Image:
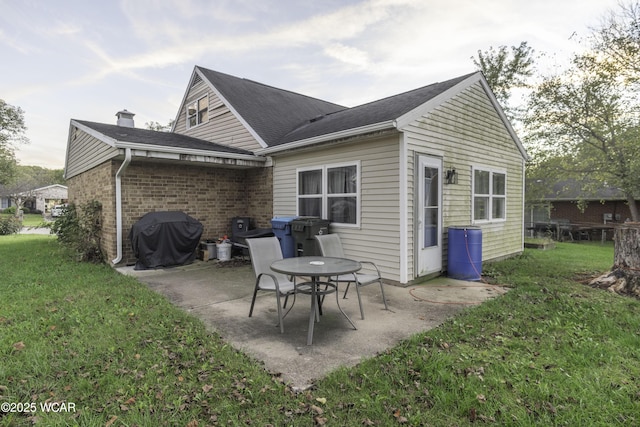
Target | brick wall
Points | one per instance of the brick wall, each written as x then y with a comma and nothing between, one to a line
594,211
213,196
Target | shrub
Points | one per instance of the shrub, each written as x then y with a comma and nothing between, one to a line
25,210
11,210
9,224
79,229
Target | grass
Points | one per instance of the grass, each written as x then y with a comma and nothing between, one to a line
31,220
550,352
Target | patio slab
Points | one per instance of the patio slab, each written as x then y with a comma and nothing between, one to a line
220,297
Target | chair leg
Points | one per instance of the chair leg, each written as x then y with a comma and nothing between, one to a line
346,290
253,301
359,300
280,322
384,300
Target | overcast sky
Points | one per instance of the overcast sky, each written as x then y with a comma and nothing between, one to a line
88,59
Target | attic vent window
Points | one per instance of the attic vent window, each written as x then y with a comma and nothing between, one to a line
198,112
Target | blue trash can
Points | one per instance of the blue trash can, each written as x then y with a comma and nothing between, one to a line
282,229
464,256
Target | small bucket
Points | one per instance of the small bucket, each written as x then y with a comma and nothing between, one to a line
224,251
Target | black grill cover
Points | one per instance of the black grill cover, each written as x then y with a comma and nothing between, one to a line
163,239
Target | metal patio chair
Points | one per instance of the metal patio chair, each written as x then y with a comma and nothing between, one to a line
264,251
331,246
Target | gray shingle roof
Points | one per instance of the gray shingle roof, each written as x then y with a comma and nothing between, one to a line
383,110
270,111
161,139
280,116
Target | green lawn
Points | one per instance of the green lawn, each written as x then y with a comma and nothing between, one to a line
31,220
550,352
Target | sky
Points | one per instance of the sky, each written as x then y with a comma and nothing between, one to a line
88,59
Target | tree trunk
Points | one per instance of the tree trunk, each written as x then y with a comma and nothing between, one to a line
624,277
633,208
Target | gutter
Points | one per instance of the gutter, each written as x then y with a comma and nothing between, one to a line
328,137
123,166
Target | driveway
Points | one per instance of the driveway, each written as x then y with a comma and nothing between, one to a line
220,297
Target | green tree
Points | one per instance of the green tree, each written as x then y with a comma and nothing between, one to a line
12,129
506,69
586,118
618,39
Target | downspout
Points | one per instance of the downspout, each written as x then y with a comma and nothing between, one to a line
123,166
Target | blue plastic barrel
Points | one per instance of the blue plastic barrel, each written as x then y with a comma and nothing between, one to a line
464,257
282,229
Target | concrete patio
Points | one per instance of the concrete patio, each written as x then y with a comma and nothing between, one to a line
220,296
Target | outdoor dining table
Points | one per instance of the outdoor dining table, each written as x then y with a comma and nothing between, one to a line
316,267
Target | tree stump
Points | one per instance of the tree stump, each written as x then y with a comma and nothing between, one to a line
624,277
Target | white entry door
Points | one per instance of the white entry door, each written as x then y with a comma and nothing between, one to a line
429,230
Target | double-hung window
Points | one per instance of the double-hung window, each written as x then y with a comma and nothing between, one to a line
489,195
330,192
198,112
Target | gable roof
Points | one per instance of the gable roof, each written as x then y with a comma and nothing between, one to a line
573,190
385,110
270,112
123,136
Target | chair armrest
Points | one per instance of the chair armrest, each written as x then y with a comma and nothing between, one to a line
275,280
372,265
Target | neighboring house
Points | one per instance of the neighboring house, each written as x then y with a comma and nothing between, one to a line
392,175
41,199
565,200
45,198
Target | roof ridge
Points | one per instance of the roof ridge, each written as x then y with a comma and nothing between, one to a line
271,86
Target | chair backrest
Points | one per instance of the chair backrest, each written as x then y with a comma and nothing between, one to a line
264,251
330,245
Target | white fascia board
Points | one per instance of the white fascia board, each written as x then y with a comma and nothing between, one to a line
328,137
421,110
171,152
184,98
233,111
428,106
102,137
504,118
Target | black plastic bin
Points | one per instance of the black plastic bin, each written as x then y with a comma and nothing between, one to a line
304,230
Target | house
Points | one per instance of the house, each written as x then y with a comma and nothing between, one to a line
391,175
566,200
43,199
40,199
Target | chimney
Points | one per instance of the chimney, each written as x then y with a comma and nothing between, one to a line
125,118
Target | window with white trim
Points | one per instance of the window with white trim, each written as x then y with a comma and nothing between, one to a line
489,195
331,192
198,112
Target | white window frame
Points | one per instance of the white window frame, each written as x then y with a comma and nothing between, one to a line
197,112
490,195
324,196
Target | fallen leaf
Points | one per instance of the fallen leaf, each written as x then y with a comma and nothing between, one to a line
320,421
19,346
318,410
207,388
367,422
131,401
193,423
481,398
322,400
111,421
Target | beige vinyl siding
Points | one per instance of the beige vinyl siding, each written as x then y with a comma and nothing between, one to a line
466,131
86,152
377,238
222,128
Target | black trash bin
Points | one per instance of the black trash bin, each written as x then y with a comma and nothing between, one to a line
304,230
